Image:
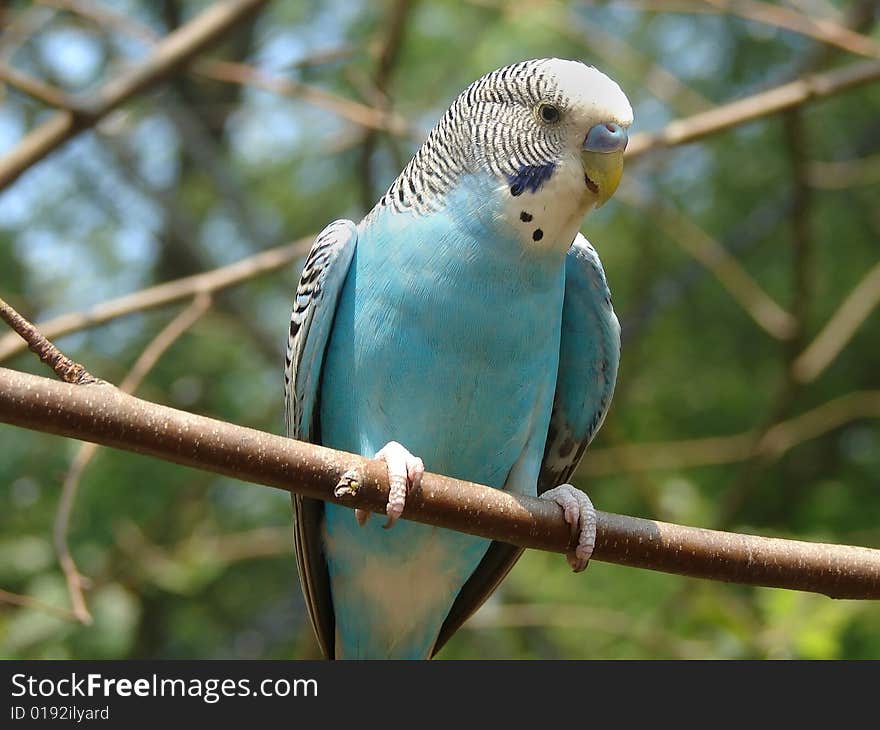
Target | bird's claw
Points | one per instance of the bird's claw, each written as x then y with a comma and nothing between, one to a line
404,473
581,516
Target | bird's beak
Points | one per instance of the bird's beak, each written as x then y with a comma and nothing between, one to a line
602,158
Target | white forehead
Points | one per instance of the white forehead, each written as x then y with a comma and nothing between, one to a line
586,89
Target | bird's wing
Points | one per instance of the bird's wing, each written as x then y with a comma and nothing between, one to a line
588,359
317,295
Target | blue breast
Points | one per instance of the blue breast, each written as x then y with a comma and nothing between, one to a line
446,339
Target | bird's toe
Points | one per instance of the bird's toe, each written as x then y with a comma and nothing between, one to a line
581,516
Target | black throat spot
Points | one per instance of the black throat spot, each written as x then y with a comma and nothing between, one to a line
530,177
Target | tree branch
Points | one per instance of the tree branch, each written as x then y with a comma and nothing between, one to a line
65,368
175,51
34,88
147,360
105,415
713,450
682,131
355,112
840,329
757,106
710,253
820,29
157,296
18,599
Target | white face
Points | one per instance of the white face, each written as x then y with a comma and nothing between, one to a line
548,210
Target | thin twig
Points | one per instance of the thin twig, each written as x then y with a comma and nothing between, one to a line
840,329
764,104
21,28
759,305
659,80
394,31
597,619
147,360
842,174
241,73
18,599
65,368
167,293
219,549
76,582
106,18
819,29
714,450
162,341
353,111
782,403
35,88
173,52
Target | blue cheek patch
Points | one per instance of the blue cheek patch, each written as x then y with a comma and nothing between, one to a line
530,177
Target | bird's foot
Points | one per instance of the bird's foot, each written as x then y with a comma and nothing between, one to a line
581,516
404,472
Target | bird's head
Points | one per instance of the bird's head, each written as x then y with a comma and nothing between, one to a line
549,133
533,120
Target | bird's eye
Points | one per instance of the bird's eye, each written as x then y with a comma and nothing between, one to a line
548,113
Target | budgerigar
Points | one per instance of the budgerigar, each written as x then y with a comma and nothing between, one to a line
464,320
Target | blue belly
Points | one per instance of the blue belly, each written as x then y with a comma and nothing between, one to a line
446,339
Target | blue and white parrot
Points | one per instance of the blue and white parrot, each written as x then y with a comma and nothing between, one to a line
464,319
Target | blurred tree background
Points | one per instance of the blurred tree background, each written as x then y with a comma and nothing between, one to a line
736,407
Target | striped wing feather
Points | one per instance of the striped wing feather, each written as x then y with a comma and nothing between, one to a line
311,321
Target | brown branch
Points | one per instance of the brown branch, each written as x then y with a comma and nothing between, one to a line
840,329
394,31
175,51
167,293
244,74
783,400
612,49
19,29
76,582
841,174
820,29
602,621
705,249
689,129
17,599
106,18
218,549
147,360
764,104
103,414
714,450
65,368
360,114
169,334
34,88
661,82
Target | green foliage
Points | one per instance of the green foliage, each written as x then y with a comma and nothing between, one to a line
181,563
